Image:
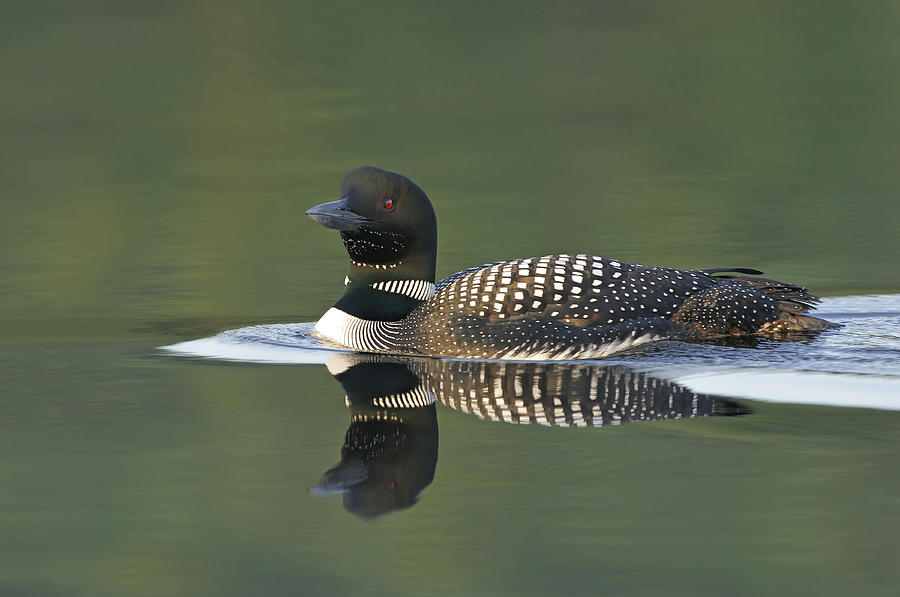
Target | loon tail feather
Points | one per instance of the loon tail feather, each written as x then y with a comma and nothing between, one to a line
793,303
790,322
791,298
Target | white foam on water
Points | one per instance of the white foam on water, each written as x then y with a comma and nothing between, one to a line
795,387
286,344
216,348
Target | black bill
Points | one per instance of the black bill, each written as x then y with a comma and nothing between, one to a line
338,216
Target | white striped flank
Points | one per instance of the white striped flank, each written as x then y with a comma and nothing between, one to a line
420,290
561,352
359,334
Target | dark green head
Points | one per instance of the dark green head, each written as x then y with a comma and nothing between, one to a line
387,225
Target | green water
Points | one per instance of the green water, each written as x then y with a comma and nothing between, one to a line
156,159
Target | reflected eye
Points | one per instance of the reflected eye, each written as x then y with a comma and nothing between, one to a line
389,204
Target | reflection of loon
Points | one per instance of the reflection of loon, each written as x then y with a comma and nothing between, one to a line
557,307
390,450
389,453
566,395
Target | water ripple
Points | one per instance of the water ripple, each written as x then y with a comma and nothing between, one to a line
855,365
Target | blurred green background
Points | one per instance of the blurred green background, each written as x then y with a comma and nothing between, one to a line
156,158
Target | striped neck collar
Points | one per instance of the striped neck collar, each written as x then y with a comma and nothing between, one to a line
420,290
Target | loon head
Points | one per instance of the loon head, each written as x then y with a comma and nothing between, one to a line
390,233
387,224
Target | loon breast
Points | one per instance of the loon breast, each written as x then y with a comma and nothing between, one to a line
374,335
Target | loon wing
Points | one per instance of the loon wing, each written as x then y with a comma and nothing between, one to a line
576,290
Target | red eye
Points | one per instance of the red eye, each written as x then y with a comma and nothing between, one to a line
389,204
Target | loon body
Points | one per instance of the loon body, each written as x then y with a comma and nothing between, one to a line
542,308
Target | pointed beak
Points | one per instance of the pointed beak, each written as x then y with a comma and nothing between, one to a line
338,216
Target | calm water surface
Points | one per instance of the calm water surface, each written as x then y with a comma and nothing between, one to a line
155,163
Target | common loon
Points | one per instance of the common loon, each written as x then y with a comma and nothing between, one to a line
556,307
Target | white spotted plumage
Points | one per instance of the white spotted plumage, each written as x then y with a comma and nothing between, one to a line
501,311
